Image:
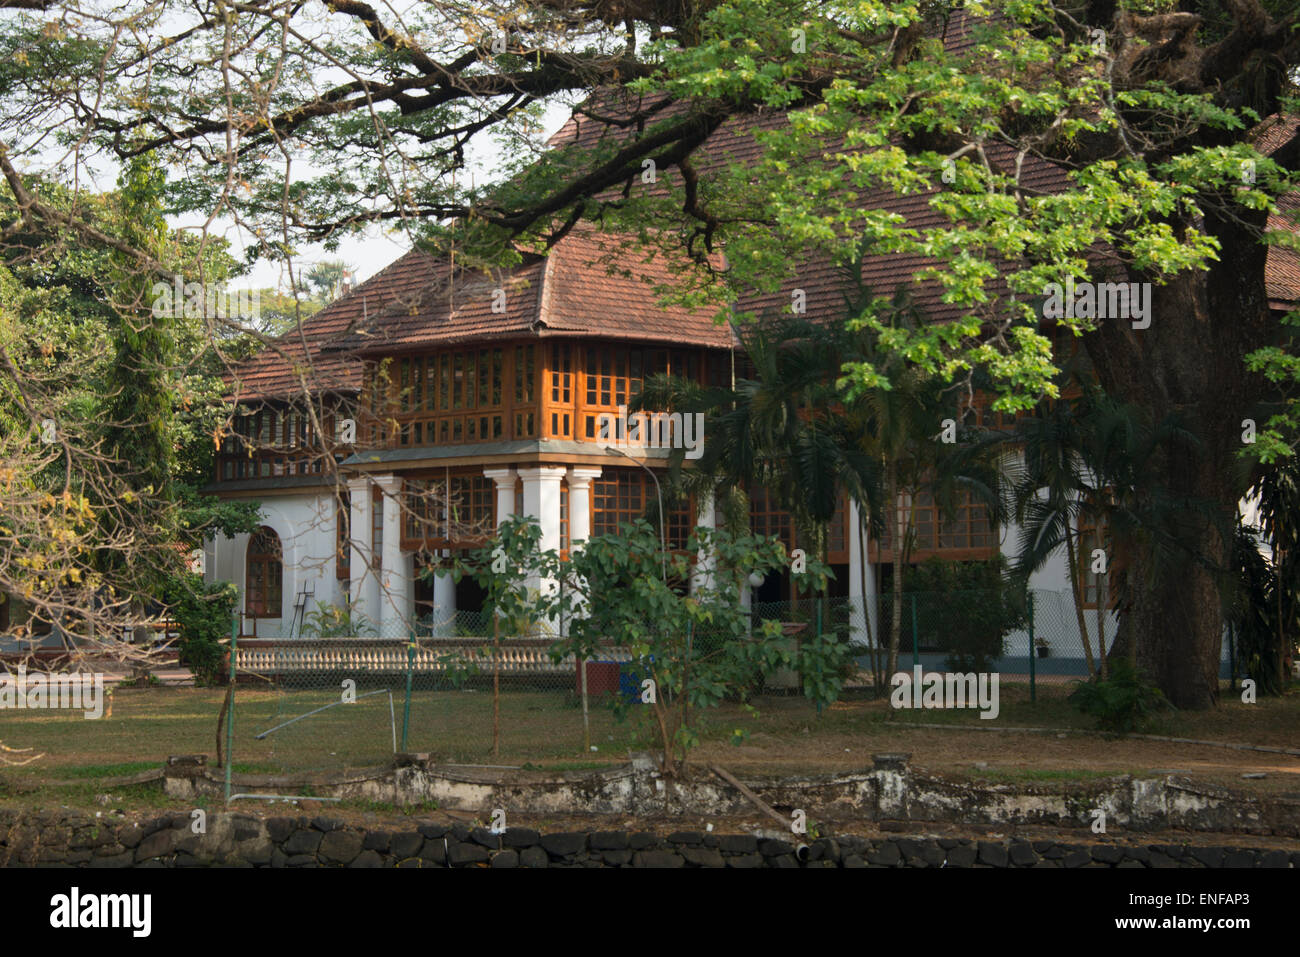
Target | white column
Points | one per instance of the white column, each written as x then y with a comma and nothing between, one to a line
239,573
858,605
444,601
394,574
542,501
505,479
580,504
702,578
364,585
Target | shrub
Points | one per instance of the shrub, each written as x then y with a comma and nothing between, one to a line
203,614
966,610
336,621
1123,702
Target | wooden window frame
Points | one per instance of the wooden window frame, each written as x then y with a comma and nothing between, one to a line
257,601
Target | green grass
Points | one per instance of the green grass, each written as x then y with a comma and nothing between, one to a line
539,730
97,771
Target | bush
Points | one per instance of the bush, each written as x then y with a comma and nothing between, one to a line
336,621
203,614
966,610
1123,702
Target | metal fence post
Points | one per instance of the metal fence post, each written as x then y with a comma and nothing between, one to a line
819,641
410,668
230,713
1033,651
1232,658
916,650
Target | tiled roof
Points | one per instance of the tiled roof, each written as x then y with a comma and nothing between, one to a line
588,285
1282,276
311,349
448,306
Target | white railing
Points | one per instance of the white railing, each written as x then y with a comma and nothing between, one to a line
516,656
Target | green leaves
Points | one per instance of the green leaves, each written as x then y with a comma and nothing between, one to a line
1123,702
698,645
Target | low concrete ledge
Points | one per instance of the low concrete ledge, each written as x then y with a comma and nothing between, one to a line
889,791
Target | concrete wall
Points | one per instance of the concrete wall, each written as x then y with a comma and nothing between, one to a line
307,530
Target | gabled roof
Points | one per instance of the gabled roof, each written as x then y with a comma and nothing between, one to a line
310,350
587,285
1282,276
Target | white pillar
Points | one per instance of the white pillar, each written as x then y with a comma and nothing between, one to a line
702,579
239,573
861,603
364,589
505,479
394,575
542,501
444,602
580,504
579,480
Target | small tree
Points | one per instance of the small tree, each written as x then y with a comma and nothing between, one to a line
337,621
203,614
504,568
693,650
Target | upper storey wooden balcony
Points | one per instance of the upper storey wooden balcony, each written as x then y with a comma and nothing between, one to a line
501,391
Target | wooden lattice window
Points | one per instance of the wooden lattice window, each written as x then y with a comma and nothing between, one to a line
1091,538
622,496
767,518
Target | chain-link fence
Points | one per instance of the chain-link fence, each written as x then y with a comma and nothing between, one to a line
454,690
465,695
1034,637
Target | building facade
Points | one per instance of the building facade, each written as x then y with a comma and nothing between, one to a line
454,401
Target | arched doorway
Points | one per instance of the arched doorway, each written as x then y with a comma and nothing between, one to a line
264,576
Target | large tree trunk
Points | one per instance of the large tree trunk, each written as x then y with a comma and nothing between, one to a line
1189,362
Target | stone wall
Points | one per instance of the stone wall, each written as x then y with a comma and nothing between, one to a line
64,838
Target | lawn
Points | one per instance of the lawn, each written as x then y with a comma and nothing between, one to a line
544,730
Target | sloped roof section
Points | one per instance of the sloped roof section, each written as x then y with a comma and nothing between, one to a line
451,306
310,352
598,286
590,284
1282,275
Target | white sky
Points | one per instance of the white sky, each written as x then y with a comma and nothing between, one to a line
372,250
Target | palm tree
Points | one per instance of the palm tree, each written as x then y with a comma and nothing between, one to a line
1089,460
1276,492
1052,493
794,428
328,279
901,426
782,428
